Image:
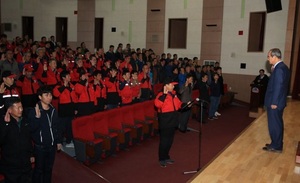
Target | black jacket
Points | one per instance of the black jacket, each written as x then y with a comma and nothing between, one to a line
203,90
46,130
15,144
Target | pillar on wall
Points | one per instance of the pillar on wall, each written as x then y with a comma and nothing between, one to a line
211,38
0,20
86,23
155,25
292,46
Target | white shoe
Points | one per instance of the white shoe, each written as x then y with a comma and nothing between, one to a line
217,114
70,145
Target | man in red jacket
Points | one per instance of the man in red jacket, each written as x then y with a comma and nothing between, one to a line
7,89
29,86
67,99
100,91
86,95
112,84
168,105
135,86
125,88
50,74
146,88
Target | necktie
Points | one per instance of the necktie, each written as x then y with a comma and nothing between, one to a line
272,68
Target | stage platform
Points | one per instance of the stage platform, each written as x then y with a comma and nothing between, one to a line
245,161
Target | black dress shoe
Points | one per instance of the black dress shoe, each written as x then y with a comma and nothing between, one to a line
271,149
182,131
267,145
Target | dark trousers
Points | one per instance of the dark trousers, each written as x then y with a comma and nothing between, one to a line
100,106
85,108
276,126
166,137
204,112
67,128
111,106
16,175
184,117
44,160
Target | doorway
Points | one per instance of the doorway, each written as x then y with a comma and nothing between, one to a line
62,30
27,27
98,33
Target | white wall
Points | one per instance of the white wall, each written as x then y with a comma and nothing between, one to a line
44,12
193,13
234,46
119,14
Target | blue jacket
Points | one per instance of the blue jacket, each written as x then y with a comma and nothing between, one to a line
277,89
215,89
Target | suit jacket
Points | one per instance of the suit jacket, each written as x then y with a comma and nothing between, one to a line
277,89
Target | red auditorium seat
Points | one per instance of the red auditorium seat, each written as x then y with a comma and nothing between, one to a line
115,125
128,121
151,113
88,149
140,117
1,178
227,98
100,128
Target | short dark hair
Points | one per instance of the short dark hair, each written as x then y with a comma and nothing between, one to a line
134,71
203,75
189,75
11,101
113,69
125,71
44,89
63,74
96,72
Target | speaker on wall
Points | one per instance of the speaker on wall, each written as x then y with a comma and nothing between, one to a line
273,5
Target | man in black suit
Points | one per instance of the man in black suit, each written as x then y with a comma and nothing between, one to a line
262,79
275,100
204,96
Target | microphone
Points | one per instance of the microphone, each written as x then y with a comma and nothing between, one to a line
196,99
190,103
201,100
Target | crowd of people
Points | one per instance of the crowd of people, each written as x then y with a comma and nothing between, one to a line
47,85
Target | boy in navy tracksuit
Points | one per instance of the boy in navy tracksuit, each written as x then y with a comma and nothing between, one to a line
46,135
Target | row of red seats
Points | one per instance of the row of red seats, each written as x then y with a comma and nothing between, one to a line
103,133
1,178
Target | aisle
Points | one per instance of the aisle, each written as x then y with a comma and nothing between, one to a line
245,161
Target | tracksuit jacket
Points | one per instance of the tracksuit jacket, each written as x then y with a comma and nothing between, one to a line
126,92
29,87
112,94
46,130
100,92
168,106
67,100
9,92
